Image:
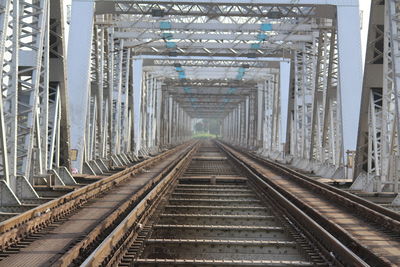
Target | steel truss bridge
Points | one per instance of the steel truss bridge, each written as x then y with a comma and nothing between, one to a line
101,100
120,80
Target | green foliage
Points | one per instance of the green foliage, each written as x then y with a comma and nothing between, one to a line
199,127
213,126
204,135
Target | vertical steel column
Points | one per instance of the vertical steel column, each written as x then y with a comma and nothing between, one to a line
246,122
110,89
42,118
32,20
284,80
235,125
267,126
170,119
260,114
276,116
158,122
137,75
320,91
238,124
391,150
377,160
251,137
145,94
80,40
125,125
101,107
4,22
150,113
59,106
117,96
154,114
231,128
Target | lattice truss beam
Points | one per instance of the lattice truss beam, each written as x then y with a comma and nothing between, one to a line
140,72
377,157
117,34
124,102
255,30
315,128
33,98
156,65
214,8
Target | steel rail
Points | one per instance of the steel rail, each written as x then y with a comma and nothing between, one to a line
112,250
366,208
136,217
113,246
130,205
20,226
340,234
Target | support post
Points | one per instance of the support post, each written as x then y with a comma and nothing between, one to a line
137,103
284,80
80,42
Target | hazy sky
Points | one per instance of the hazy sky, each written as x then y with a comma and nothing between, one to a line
365,6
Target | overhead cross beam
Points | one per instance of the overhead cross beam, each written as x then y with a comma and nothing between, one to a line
225,37
217,8
213,26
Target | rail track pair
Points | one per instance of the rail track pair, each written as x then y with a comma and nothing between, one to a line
204,204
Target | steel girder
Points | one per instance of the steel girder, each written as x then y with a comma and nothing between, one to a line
208,63
119,105
212,36
377,157
315,130
214,44
208,96
271,116
210,73
33,141
326,135
108,99
208,83
178,48
215,8
124,102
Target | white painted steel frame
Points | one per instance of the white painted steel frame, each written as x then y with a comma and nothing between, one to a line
316,131
33,96
377,156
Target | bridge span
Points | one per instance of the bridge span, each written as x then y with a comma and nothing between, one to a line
200,133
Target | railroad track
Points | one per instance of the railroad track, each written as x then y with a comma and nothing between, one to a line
210,215
366,229
217,213
214,205
83,217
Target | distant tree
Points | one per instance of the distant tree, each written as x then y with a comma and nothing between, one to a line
199,127
206,126
211,126
214,126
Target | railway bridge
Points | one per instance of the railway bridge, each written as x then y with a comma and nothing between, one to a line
199,133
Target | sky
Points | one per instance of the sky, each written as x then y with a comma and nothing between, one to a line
365,6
